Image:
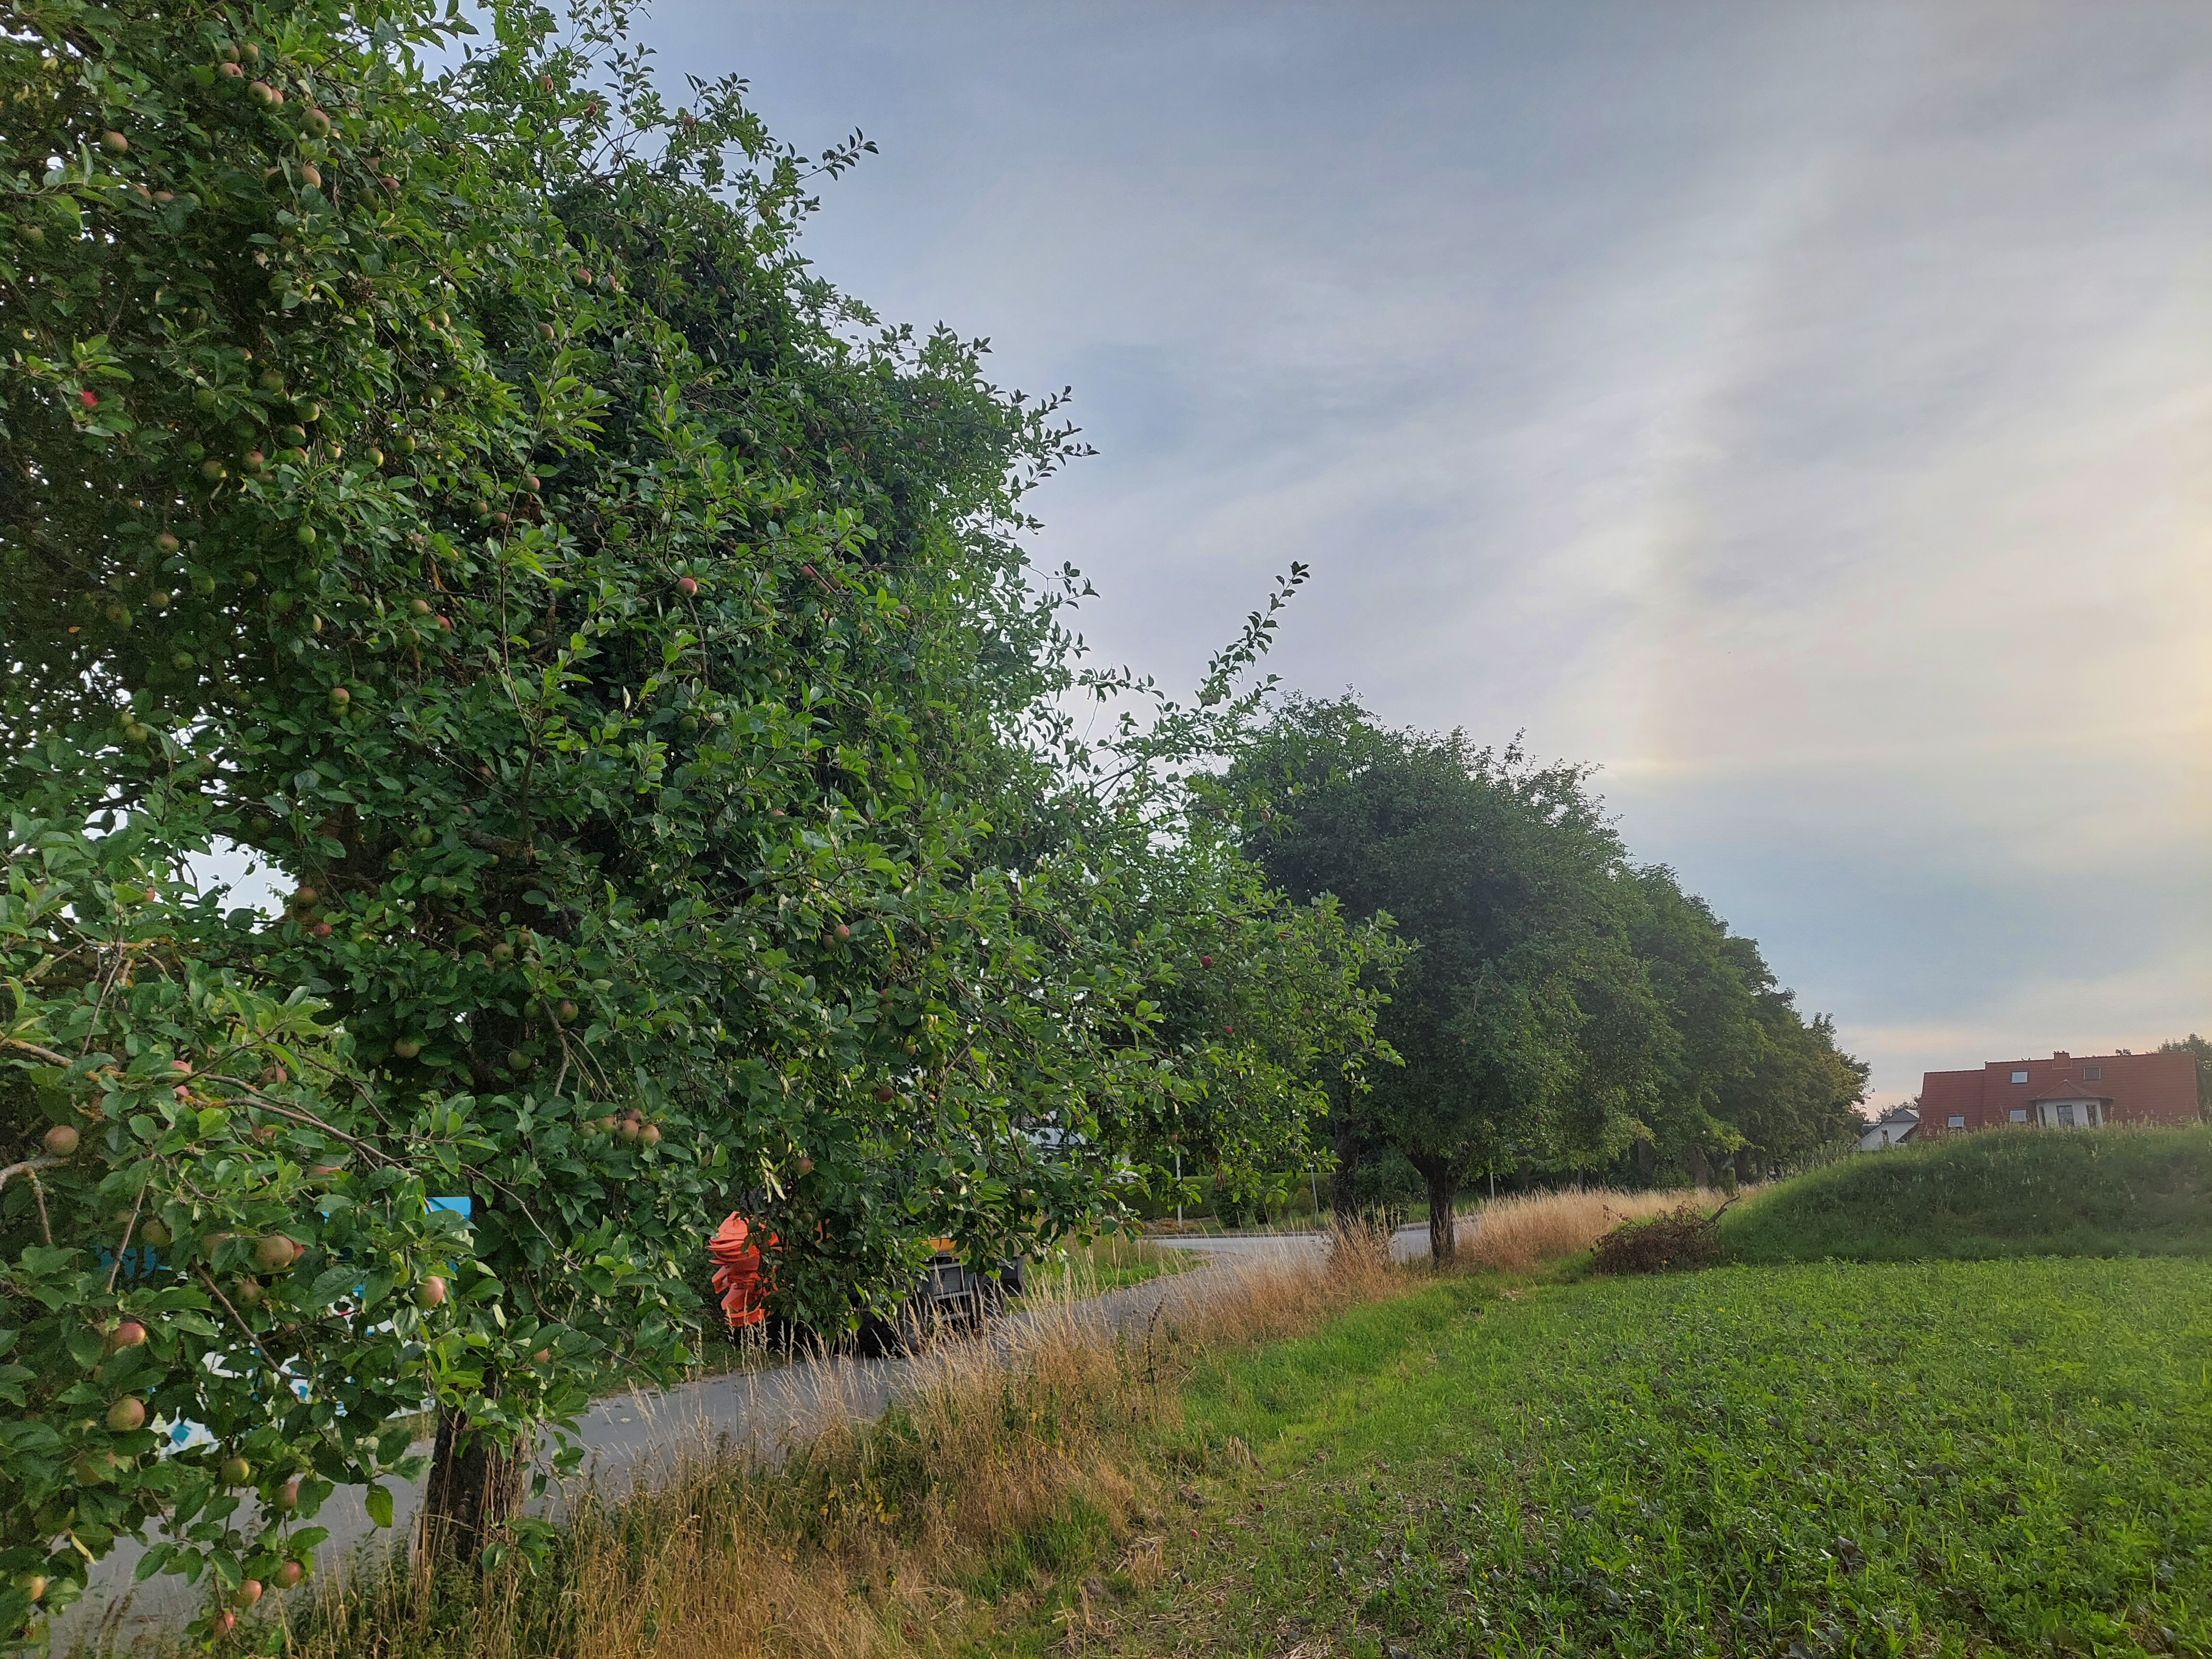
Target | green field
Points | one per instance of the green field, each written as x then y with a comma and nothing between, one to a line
2115,1192
1954,1457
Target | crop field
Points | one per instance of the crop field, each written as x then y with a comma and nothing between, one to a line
1944,1458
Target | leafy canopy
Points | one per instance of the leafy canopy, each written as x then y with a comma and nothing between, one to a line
1563,1009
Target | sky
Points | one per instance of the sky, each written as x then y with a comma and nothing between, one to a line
1802,412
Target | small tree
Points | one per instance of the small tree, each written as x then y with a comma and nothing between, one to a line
1525,1026
2200,1050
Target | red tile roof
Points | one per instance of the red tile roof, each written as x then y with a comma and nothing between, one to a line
1945,1095
2136,1088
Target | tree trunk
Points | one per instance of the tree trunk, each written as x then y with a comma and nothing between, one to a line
1442,1181
1343,1181
1746,1164
475,1489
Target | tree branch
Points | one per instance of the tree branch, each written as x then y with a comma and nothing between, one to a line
46,1054
255,1097
29,1166
216,1289
128,1227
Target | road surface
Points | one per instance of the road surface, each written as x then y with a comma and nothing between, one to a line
1408,1243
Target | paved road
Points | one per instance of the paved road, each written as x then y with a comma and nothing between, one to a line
629,1436
1408,1243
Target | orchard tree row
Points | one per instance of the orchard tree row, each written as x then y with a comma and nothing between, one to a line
430,470
1564,1012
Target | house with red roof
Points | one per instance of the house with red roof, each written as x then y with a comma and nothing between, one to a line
2061,1092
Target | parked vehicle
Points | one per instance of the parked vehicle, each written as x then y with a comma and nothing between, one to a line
950,1294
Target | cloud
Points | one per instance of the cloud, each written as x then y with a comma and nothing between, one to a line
1802,412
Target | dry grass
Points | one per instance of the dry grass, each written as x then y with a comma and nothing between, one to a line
1004,1460
1516,1234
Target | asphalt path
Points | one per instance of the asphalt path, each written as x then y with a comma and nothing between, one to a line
1408,1243
628,1437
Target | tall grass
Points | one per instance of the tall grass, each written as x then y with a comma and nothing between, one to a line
1512,1235
1007,1457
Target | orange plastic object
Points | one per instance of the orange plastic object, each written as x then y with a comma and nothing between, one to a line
739,1274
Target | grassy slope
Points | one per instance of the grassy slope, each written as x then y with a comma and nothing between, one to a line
2026,1193
2022,1450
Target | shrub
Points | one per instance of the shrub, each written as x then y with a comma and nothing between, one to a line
1682,1238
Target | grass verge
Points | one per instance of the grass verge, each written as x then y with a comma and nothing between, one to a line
1937,1459
2000,1193
1337,1455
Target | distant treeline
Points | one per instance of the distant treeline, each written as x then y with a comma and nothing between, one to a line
1563,1010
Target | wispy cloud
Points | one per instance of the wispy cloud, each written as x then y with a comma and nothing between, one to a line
1804,412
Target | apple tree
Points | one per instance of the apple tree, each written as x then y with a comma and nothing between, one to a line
216,1228
432,471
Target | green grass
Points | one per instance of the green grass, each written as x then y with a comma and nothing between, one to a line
1933,1459
2107,1192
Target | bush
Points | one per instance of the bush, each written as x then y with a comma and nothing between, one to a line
1385,1182
1683,1238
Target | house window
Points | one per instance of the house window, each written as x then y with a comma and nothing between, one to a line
1954,1122
2093,1074
2019,1076
2066,1116
2019,1113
